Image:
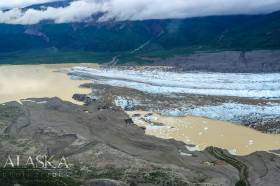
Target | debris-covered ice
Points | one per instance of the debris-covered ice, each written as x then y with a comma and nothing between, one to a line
157,82
162,82
234,112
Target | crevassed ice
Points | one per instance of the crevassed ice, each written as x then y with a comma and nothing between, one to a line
228,111
160,82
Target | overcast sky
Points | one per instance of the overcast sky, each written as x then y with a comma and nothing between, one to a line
81,10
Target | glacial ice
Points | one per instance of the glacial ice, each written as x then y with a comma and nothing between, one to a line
125,103
233,112
202,83
218,84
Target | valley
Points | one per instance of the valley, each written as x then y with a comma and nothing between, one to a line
117,122
139,93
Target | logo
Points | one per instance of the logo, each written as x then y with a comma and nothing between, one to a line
40,161
35,170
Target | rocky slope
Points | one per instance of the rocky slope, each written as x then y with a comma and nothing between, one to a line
225,61
103,145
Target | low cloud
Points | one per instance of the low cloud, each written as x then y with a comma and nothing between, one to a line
4,4
120,10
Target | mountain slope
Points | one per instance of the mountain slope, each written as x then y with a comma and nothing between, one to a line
221,32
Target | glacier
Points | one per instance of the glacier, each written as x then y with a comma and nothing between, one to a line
263,88
201,83
233,112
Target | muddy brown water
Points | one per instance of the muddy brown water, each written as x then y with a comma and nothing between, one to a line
203,132
36,81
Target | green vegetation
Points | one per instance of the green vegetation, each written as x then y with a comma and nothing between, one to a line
34,177
9,113
55,57
55,43
52,57
133,176
241,167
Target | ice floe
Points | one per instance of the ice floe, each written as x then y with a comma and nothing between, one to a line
193,148
125,103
